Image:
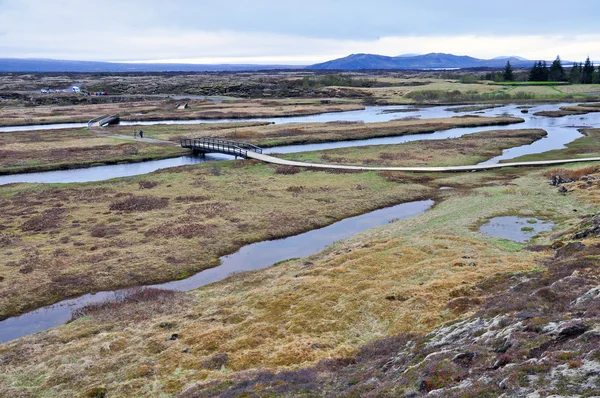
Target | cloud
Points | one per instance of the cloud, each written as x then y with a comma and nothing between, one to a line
268,31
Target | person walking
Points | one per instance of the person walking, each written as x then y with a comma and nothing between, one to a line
141,134
134,134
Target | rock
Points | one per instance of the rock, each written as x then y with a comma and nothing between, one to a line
174,336
588,296
562,190
504,384
167,325
569,250
573,330
557,180
464,359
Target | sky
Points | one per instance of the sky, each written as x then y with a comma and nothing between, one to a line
294,32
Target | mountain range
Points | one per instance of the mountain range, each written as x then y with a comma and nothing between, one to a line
351,62
426,61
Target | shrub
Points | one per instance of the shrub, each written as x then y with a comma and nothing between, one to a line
145,184
139,203
295,189
132,304
287,170
214,170
50,219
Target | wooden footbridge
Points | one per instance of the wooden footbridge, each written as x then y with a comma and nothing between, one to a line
104,120
206,145
215,145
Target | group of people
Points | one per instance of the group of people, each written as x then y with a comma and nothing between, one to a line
141,133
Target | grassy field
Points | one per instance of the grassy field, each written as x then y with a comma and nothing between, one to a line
28,151
584,147
165,110
580,109
396,278
531,83
65,240
268,135
470,149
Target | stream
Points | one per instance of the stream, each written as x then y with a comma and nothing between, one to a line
561,131
251,257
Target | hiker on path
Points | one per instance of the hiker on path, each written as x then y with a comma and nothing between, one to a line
134,134
141,134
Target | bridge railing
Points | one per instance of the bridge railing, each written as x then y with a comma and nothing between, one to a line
218,145
219,141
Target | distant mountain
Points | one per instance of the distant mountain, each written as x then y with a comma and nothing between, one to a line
427,61
53,65
510,57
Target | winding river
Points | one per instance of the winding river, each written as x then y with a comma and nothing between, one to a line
561,131
249,258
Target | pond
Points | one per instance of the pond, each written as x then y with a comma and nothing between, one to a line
517,229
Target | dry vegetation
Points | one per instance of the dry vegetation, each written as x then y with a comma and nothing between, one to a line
581,109
268,135
66,240
470,149
523,333
27,151
399,278
165,110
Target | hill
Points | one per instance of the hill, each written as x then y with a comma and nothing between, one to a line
427,61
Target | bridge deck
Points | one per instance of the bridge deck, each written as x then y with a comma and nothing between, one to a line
104,120
214,145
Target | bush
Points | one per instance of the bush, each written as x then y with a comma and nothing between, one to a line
215,170
125,304
145,184
287,170
139,203
50,219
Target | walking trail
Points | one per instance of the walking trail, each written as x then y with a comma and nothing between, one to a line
284,162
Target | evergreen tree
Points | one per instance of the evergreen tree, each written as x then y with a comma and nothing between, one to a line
539,72
544,72
508,72
575,74
534,74
587,72
557,72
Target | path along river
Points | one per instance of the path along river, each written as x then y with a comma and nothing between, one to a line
561,131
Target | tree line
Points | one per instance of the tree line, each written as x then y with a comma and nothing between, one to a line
579,73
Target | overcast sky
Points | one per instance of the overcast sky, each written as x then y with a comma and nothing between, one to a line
294,32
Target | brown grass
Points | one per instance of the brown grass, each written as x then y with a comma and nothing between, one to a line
139,203
133,305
